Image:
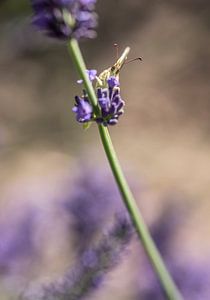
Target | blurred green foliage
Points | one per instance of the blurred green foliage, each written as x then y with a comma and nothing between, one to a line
12,9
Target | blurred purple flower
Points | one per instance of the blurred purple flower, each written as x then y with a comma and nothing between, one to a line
89,272
16,242
93,202
65,19
165,228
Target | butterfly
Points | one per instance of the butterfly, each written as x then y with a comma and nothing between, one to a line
114,70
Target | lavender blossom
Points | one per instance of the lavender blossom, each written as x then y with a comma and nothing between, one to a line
65,19
109,100
89,272
91,204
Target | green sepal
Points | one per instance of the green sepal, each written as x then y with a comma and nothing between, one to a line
86,125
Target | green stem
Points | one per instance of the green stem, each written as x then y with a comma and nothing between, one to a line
168,285
150,248
78,60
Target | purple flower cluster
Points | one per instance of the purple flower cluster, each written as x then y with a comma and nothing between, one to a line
89,272
65,19
109,100
90,205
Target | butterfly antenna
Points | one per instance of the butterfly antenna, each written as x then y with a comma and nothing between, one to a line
134,59
117,50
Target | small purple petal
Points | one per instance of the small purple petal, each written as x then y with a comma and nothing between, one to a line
91,74
83,110
113,82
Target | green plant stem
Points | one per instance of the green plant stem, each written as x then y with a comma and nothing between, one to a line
168,285
150,248
78,60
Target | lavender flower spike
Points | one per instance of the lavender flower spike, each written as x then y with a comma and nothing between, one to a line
109,100
111,103
65,19
90,271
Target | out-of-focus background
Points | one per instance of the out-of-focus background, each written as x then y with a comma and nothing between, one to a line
162,140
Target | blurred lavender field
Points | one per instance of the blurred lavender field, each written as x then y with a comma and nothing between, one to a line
58,198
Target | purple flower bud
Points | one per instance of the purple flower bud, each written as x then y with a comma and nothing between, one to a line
91,74
113,82
103,99
83,110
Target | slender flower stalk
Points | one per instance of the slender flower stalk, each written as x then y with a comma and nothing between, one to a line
151,250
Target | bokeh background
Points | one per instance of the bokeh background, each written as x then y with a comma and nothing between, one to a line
162,140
